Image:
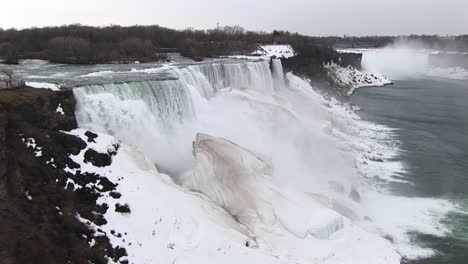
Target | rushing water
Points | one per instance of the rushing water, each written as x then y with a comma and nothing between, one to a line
431,116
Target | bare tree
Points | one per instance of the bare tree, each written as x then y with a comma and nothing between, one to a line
69,49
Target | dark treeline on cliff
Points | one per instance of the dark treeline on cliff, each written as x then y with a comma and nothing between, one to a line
85,44
79,44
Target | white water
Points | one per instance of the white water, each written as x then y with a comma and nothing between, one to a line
315,145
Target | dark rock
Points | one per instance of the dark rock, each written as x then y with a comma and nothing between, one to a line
91,136
114,151
97,159
102,209
115,195
125,209
32,231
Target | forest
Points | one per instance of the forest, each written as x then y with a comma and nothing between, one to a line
80,44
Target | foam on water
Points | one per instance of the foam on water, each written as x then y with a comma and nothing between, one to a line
316,145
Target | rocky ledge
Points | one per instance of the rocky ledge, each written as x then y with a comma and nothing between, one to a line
41,208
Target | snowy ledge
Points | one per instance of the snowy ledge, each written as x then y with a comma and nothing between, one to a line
349,78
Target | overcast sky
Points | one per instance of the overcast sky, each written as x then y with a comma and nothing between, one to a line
313,17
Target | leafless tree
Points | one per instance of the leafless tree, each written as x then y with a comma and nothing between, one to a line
69,49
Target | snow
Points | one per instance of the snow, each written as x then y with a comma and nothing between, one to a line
28,196
31,143
352,78
278,51
60,109
51,86
169,223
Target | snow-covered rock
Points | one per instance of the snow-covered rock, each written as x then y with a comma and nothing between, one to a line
278,51
349,78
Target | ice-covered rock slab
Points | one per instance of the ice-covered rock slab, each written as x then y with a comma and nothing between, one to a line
239,180
233,177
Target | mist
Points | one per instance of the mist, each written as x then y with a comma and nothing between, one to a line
414,59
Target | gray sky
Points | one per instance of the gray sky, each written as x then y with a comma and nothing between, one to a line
313,17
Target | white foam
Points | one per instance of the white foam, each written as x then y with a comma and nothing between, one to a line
98,74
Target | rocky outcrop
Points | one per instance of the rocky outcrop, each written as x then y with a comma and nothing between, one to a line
311,64
4,84
346,80
39,209
351,59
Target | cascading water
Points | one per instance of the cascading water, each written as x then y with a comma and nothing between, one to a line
315,145
278,74
237,101
142,113
165,99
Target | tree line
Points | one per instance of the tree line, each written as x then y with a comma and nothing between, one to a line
82,44
86,44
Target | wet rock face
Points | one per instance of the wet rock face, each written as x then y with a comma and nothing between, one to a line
38,207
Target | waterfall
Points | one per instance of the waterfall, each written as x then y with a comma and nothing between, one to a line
210,78
278,73
165,99
315,146
164,115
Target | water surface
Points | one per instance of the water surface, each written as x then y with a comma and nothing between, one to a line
431,116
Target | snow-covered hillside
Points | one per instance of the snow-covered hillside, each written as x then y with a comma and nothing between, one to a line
237,215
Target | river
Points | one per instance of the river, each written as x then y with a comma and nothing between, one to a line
431,116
